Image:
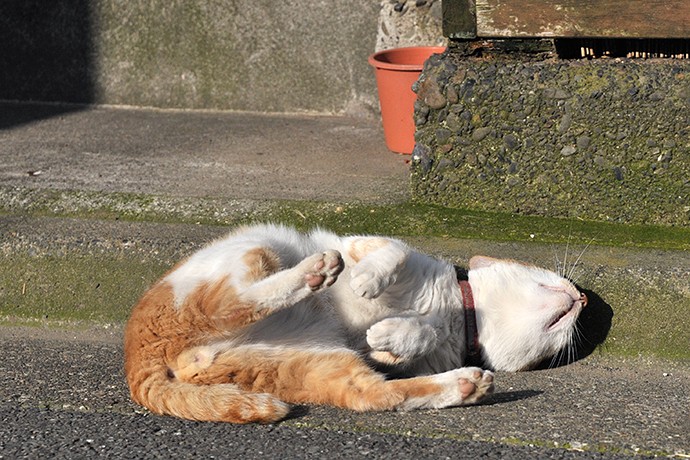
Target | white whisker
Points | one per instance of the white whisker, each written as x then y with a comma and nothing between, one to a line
572,270
567,247
559,267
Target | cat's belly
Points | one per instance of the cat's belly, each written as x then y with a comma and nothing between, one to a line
307,323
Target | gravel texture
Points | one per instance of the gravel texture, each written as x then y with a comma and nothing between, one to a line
63,393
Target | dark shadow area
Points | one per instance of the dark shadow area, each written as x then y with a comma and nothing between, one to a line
593,324
593,48
19,113
296,412
46,54
509,396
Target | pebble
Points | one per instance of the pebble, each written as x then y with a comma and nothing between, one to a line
453,122
428,90
583,142
618,173
442,135
510,141
452,94
568,150
481,133
565,123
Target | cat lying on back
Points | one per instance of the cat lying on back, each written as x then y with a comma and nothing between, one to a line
268,317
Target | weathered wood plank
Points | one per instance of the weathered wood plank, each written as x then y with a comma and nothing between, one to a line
583,18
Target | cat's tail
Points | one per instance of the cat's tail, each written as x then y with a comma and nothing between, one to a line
160,392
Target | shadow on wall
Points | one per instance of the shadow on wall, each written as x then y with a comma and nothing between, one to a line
46,55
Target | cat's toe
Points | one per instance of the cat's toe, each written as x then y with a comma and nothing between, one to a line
333,263
370,284
325,270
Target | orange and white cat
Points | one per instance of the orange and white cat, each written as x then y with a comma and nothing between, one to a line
269,317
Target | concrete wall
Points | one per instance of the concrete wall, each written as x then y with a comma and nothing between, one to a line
602,139
257,55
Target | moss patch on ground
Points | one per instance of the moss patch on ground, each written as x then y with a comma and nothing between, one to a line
98,289
399,219
649,311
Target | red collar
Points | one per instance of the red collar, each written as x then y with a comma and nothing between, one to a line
471,331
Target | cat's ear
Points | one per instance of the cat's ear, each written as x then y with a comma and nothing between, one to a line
481,261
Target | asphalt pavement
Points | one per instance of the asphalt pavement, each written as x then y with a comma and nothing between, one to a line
62,391
63,396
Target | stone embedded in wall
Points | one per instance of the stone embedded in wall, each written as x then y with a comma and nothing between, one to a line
605,139
405,23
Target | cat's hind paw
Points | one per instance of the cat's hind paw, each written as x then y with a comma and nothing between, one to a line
192,361
323,269
459,387
475,384
467,385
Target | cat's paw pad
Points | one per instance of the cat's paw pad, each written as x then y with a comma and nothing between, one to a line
323,269
475,385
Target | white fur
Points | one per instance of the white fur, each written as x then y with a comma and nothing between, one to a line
392,302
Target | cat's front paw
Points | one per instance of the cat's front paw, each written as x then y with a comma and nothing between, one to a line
323,269
372,275
397,340
369,281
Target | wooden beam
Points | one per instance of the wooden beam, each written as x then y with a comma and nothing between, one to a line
582,18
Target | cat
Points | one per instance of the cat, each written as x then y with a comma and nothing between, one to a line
268,317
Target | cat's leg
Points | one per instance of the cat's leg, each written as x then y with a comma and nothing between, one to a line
398,340
287,287
377,262
338,378
263,288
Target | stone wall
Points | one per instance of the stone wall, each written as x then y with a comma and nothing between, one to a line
409,23
602,139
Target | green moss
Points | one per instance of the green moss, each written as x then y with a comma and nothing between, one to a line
411,219
99,289
650,315
650,312
403,219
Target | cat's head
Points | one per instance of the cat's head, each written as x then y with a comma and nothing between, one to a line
525,314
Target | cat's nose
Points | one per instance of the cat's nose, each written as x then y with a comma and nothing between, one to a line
583,299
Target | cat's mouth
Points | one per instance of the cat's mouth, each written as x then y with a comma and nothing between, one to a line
561,316
570,311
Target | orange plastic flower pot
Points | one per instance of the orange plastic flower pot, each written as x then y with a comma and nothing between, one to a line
396,70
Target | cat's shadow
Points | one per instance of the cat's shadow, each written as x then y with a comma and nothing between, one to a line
593,325
509,396
496,398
